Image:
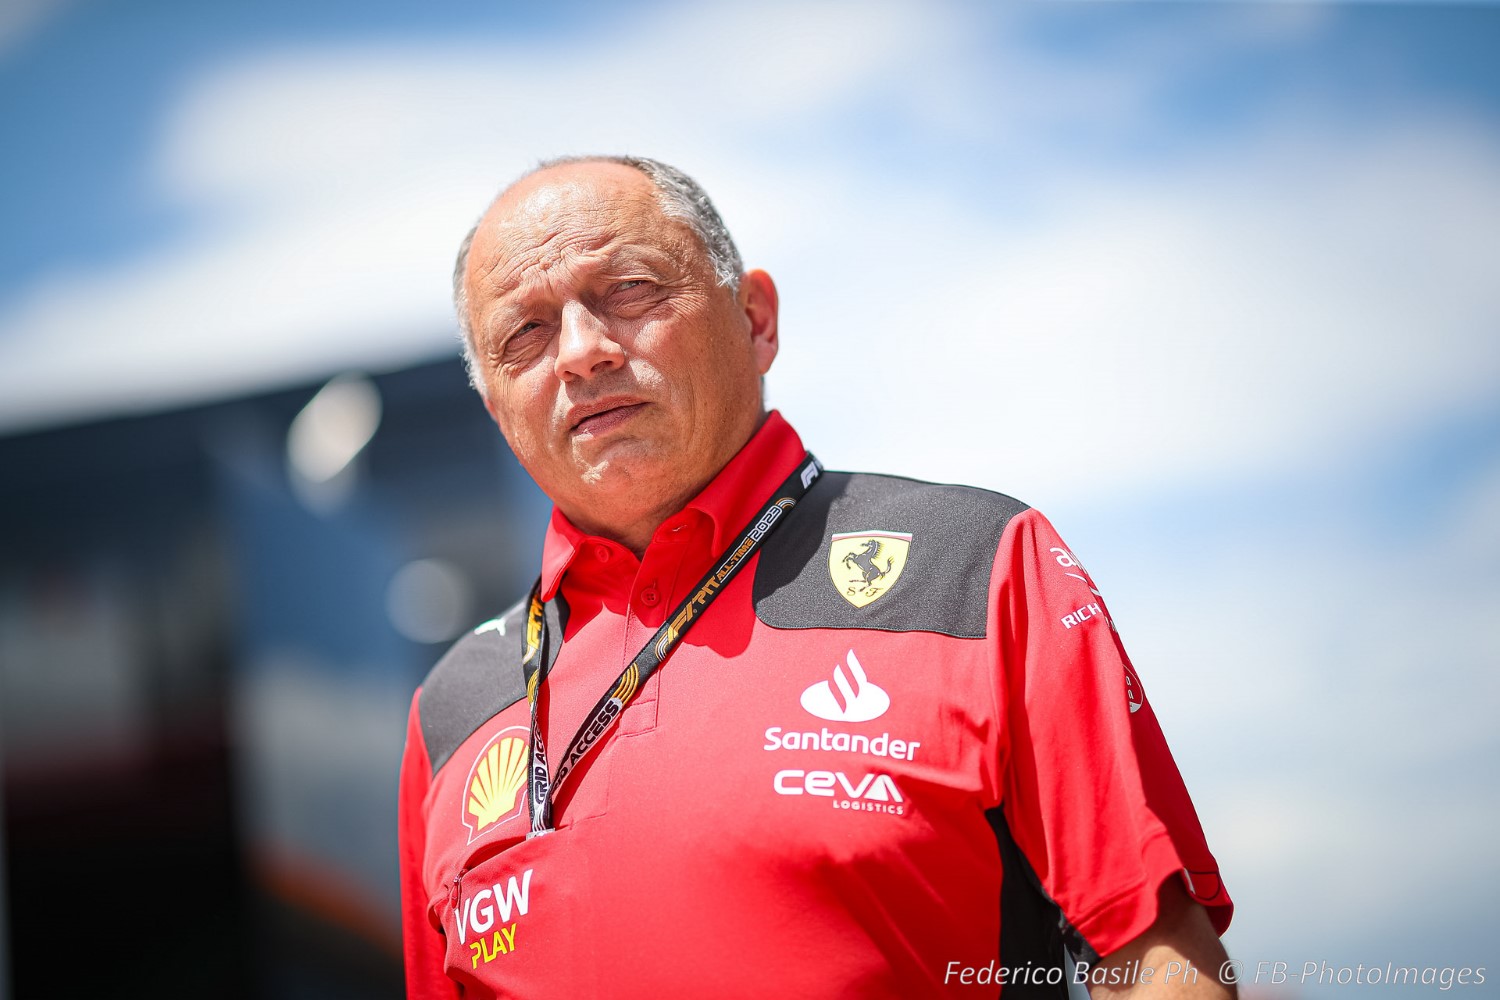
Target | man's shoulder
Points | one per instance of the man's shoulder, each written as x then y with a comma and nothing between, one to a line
865,550
882,485
477,677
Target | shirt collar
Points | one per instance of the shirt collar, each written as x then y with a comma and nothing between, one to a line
729,500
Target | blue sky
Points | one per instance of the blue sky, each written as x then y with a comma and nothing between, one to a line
1212,284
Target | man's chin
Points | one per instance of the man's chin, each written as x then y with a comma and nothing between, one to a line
624,465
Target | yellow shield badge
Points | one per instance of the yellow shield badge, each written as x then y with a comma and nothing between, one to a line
866,564
497,781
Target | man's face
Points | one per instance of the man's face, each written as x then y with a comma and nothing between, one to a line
620,372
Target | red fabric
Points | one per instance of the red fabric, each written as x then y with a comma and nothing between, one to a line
421,939
698,852
1073,748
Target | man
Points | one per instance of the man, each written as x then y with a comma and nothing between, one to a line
763,730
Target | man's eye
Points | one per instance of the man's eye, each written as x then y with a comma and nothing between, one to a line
519,341
631,285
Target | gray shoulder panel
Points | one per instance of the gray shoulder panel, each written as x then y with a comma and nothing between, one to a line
943,585
477,678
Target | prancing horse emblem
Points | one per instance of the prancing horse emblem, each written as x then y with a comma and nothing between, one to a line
866,564
864,561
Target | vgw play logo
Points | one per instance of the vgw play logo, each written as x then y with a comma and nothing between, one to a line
492,916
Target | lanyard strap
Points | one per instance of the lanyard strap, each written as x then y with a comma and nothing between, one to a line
540,788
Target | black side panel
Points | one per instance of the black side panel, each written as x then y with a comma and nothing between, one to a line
1032,926
944,586
479,677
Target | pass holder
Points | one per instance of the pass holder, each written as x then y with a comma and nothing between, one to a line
541,784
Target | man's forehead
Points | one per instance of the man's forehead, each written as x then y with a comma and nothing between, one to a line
603,188
554,185
568,209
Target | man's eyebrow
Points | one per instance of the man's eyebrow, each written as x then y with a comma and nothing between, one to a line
503,314
510,292
636,256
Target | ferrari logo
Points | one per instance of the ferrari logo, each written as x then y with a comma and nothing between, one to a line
865,564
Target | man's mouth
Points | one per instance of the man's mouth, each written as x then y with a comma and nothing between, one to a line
603,416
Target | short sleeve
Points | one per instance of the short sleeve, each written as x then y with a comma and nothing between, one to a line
1090,791
423,945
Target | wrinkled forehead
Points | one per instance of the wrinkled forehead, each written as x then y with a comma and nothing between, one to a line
555,221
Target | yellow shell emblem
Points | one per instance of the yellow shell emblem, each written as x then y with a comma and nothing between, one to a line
866,564
496,781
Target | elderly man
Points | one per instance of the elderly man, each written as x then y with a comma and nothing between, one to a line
761,729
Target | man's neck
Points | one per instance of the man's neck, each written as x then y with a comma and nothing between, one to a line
635,533
634,526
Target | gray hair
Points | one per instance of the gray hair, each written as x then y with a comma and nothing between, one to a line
679,196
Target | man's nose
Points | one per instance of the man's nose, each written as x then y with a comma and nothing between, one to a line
585,345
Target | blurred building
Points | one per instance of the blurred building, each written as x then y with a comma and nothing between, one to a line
211,624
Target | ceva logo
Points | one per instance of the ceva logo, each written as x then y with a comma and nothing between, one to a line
849,697
875,793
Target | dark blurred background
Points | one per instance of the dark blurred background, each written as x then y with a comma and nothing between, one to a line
211,623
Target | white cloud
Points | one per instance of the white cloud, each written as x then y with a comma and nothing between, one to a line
331,187
1217,321
1266,302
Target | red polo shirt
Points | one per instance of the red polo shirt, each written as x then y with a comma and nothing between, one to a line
804,800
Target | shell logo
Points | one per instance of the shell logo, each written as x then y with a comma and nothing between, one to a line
493,790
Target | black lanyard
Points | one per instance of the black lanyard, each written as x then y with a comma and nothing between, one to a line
539,786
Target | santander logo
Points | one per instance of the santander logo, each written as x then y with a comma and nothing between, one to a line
849,697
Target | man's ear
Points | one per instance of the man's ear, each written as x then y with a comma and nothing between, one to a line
489,404
759,301
489,407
